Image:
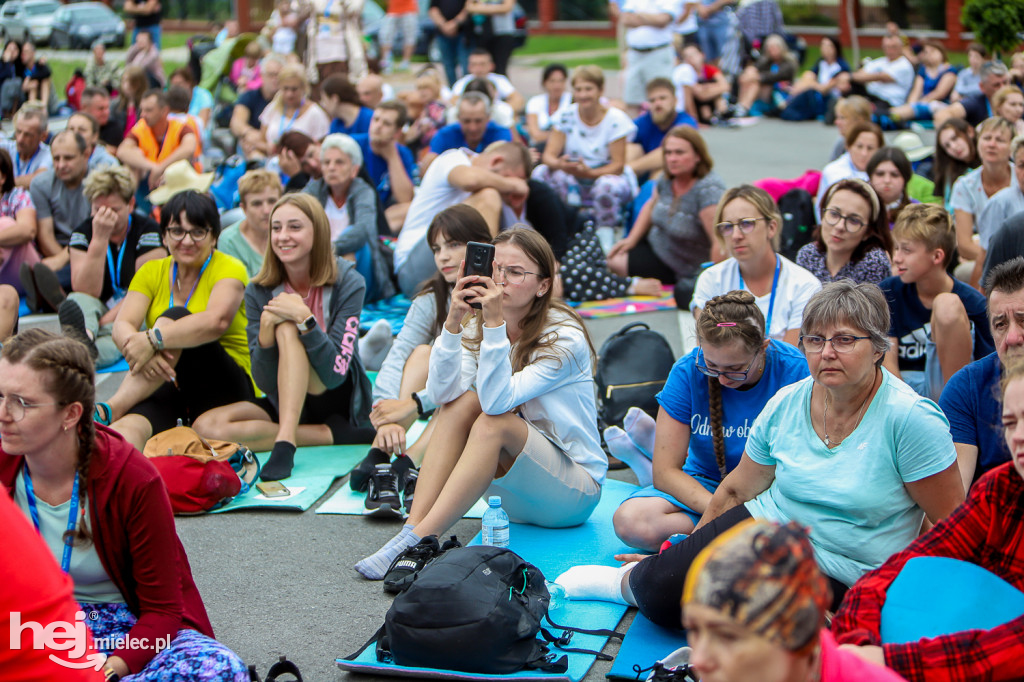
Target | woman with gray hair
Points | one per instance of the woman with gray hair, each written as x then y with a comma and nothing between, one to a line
351,205
851,451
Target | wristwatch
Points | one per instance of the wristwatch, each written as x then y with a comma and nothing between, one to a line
158,338
307,325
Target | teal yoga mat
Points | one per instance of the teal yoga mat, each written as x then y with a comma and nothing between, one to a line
935,596
314,472
553,550
645,643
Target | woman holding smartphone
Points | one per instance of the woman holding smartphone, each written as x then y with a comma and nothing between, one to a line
519,417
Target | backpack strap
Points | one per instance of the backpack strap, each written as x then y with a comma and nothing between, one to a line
561,643
377,637
630,327
600,632
549,664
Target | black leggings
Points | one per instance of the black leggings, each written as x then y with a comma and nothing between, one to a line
657,581
207,378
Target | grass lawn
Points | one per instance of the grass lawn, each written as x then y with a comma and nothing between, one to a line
545,44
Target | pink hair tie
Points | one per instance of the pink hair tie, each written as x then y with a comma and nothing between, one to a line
726,324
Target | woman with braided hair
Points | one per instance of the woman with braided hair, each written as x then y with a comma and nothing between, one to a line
103,510
711,398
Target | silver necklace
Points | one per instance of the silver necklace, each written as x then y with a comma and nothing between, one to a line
829,443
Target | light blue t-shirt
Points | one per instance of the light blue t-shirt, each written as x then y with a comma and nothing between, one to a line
852,497
685,398
201,99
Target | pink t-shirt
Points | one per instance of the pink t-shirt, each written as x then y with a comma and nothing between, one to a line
843,666
314,300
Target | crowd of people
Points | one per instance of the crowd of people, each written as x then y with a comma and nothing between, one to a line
842,406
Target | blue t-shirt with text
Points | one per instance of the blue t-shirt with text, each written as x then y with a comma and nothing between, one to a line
685,398
911,321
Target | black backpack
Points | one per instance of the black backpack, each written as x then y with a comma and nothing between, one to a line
798,222
474,609
632,367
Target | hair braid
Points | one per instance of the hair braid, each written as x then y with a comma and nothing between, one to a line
717,429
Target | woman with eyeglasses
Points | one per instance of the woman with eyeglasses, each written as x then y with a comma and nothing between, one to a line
853,241
181,328
103,512
515,381
747,224
712,395
850,451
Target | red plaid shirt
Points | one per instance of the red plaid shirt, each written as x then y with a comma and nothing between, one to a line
987,530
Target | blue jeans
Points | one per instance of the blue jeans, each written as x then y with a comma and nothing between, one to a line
713,34
153,31
454,53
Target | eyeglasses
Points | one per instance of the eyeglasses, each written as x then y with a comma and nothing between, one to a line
513,275
841,343
714,373
198,234
746,226
16,406
851,223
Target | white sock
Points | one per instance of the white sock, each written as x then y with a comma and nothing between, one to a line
640,426
595,583
623,447
374,345
375,566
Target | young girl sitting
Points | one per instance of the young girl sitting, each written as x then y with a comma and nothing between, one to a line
703,421
303,309
519,416
398,394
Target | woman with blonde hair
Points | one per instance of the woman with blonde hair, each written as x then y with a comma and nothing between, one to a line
747,225
585,156
515,382
1008,102
674,233
292,110
303,312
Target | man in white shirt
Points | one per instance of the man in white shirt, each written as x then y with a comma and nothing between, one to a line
649,39
481,65
885,81
485,181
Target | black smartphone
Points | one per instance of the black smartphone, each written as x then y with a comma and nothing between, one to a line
479,261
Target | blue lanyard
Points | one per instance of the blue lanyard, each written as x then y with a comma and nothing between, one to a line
771,302
33,510
115,275
22,170
174,276
286,127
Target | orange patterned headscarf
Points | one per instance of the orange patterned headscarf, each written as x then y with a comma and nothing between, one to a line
763,576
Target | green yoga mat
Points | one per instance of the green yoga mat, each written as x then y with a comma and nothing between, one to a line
314,472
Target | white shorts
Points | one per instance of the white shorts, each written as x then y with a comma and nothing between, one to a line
545,487
408,24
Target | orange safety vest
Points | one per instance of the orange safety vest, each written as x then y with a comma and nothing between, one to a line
153,150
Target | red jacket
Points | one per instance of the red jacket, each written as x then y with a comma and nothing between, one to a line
133,530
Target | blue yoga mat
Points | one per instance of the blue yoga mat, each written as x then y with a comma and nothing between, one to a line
315,470
645,643
935,596
119,366
552,550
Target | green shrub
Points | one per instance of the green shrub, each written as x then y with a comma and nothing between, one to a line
997,24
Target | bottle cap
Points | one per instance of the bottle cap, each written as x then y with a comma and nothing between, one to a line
494,501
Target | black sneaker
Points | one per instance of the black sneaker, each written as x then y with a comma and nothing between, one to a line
382,494
49,293
72,322
360,476
28,283
673,668
408,487
409,563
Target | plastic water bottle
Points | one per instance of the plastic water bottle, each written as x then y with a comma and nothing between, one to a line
495,524
573,197
558,596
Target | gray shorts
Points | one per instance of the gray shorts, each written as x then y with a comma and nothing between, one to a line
545,487
643,67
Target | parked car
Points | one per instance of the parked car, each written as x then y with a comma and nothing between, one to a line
426,42
81,24
24,20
